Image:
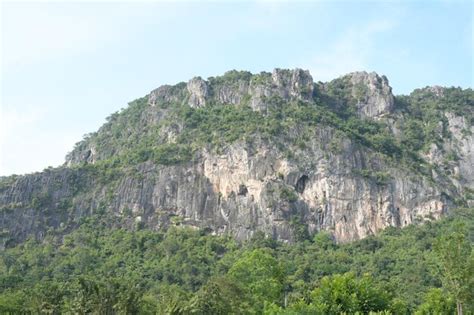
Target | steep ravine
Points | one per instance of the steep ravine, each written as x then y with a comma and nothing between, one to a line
311,177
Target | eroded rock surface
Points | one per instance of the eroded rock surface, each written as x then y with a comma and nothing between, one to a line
198,92
250,186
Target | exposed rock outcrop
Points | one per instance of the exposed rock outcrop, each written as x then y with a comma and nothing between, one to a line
165,94
296,84
329,182
373,94
88,155
241,191
198,92
257,90
369,93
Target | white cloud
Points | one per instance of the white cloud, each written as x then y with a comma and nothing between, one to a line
349,52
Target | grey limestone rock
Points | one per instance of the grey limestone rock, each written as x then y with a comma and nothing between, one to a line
288,85
198,92
373,94
297,84
250,186
164,94
238,191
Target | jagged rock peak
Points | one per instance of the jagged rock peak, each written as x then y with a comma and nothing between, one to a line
198,92
236,86
369,92
167,94
298,82
372,93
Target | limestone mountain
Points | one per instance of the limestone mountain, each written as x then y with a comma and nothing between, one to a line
272,152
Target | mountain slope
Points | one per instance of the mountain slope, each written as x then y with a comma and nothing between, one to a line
271,152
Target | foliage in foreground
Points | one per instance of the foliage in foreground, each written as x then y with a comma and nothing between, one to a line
114,271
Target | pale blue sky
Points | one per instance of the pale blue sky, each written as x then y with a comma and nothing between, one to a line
65,67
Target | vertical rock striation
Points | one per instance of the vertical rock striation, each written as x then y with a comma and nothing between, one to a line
328,183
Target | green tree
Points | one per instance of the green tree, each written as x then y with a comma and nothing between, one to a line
346,293
171,300
299,307
13,302
261,275
456,258
436,303
220,295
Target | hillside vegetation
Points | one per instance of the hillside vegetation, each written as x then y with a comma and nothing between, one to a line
181,271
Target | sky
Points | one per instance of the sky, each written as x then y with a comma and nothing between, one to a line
65,67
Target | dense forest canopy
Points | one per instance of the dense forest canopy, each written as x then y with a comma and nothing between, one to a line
100,270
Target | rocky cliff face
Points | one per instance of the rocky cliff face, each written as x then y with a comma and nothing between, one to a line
369,93
285,84
319,174
373,94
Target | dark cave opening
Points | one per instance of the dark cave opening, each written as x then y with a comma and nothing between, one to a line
301,184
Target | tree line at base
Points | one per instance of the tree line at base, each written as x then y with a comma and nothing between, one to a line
425,269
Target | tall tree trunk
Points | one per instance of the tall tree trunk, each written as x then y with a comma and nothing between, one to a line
459,307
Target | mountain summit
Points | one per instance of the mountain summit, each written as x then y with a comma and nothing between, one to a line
271,152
